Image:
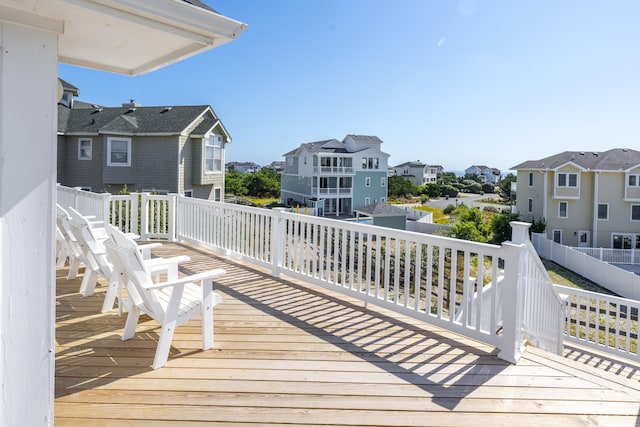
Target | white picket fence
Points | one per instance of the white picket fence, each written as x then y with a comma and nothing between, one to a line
499,295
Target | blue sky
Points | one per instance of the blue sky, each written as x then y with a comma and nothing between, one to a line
446,82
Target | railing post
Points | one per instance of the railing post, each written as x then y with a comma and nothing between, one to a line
134,213
512,291
277,241
173,216
106,208
144,216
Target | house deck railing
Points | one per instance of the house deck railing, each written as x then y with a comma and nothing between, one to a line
499,295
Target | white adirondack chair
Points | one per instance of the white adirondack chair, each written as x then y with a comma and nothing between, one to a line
69,247
170,303
91,243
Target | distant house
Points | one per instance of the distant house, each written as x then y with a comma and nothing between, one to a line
167,149
276,166
244,167
337,177
417,172
485,173
587,199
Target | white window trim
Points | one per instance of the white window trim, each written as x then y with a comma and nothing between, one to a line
637,180
129,154
187,193
566,211
567,180
80,141
529,205
597,213
208,144
367,201
221,194
631,214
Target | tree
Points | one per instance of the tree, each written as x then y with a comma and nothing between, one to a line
400,187
469,225
501,227
234,183
504,187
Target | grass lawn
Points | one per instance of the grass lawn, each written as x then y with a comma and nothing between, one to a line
564,277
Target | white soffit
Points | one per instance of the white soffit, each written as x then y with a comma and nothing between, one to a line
124,36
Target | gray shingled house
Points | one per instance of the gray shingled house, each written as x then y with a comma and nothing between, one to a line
166,149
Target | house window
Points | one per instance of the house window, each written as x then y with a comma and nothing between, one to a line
635,212
382,199
84,148
213,153
188,193
603,211
367,181
289,160
367,201
217,194
370,163
530,179
634,180
557,236
118,151
623,241
562,210
383,182
567,180
530,206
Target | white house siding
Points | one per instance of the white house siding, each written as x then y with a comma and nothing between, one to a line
28,69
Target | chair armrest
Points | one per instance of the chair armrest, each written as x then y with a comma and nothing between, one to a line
211,274
145,249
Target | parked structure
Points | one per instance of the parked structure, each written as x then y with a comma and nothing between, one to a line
166,149
485,173
244,167
337,177
589,199
417,172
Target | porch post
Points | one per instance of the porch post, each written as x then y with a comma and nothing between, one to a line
512,292
28,125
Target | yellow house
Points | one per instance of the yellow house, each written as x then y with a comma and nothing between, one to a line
589,199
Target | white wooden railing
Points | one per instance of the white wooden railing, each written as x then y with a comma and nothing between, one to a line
495,294
604,322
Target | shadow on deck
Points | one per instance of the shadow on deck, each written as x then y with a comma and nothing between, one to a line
291,353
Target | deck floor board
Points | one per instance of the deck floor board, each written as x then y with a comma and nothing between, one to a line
290,353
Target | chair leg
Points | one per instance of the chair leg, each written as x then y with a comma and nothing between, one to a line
73,268
164,345
110,297
88,284
207,314
130,325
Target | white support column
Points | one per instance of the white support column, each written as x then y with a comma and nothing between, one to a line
512,342
28,125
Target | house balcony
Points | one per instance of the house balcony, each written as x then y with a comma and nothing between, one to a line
333,170
332,191
322,323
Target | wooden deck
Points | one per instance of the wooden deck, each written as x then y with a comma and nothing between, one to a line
289,353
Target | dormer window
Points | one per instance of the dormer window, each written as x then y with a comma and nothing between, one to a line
213,153
567,180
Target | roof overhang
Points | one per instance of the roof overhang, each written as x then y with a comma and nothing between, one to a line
128,37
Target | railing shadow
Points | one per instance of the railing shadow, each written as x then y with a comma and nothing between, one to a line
428,360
